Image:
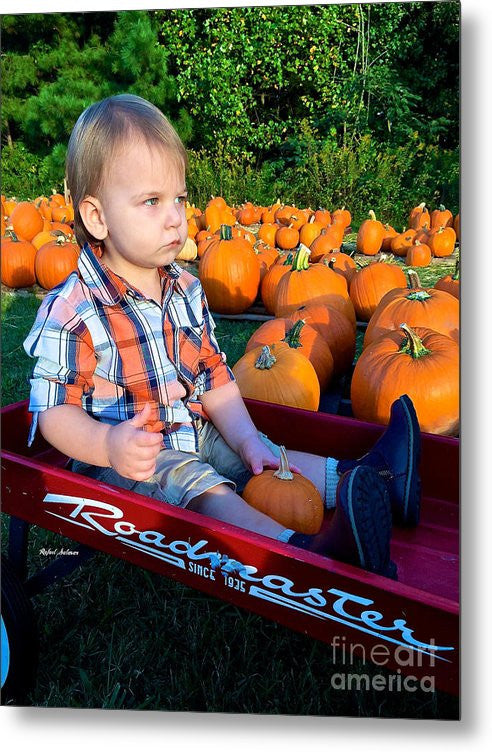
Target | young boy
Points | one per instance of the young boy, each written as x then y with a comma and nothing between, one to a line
130,381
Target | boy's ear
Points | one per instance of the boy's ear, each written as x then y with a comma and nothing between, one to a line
92,216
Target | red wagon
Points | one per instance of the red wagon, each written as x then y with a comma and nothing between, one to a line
410,627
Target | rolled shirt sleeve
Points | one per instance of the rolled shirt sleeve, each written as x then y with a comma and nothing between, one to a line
65,365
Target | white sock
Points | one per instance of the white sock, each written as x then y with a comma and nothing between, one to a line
331,482
285,535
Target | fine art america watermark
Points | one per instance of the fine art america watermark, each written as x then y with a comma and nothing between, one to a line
349,654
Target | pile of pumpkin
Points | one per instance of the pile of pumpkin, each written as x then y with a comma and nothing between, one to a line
316,298
429,234
38,244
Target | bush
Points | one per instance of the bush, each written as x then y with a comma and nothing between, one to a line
26,175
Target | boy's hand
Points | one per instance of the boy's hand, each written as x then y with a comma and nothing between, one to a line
257,456
131,450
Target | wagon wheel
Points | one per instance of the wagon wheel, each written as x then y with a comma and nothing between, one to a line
19,643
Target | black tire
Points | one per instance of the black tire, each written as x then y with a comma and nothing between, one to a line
22,648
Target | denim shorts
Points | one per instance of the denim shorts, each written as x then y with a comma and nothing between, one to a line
181,476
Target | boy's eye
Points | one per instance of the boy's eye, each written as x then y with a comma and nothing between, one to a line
151,201
181,200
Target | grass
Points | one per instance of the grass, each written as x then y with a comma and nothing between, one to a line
113,635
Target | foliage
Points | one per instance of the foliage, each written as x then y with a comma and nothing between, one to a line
51,81
250,76
351,104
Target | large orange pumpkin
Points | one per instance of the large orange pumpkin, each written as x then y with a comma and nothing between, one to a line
17,262
55,261
419,362
341,263
311,283
26,220
278,374
289,498
417,306
300,336
371,283
336,330
230,273
370,235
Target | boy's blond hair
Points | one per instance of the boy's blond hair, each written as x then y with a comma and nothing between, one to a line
97,135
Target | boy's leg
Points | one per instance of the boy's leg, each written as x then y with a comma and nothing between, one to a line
222,503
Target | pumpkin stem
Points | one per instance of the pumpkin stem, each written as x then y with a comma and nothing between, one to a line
266,359
372,215
284,471
301,259
413,345
293,335
442,207
225,232
11,234
414,280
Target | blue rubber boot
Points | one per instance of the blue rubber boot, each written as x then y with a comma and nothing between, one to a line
396,457
360,531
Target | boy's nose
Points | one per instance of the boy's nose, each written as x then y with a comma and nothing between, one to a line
172,216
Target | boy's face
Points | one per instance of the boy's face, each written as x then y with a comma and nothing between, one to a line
141,210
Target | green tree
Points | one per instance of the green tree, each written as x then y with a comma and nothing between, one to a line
73,64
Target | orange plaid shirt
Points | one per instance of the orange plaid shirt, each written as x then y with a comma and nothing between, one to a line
102,345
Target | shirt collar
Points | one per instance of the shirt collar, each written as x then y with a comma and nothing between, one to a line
107,286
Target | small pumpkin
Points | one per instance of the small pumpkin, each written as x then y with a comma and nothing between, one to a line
371,283
441,217
389,234
442,242
341,263
279,374
343,216
370,235
310,231
269,283
267,232
287,237
188,252
419,216
419,254
26,220
55,261
402,242
416,361
322,216
289,498
329,239
17,261
456,225
450,282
